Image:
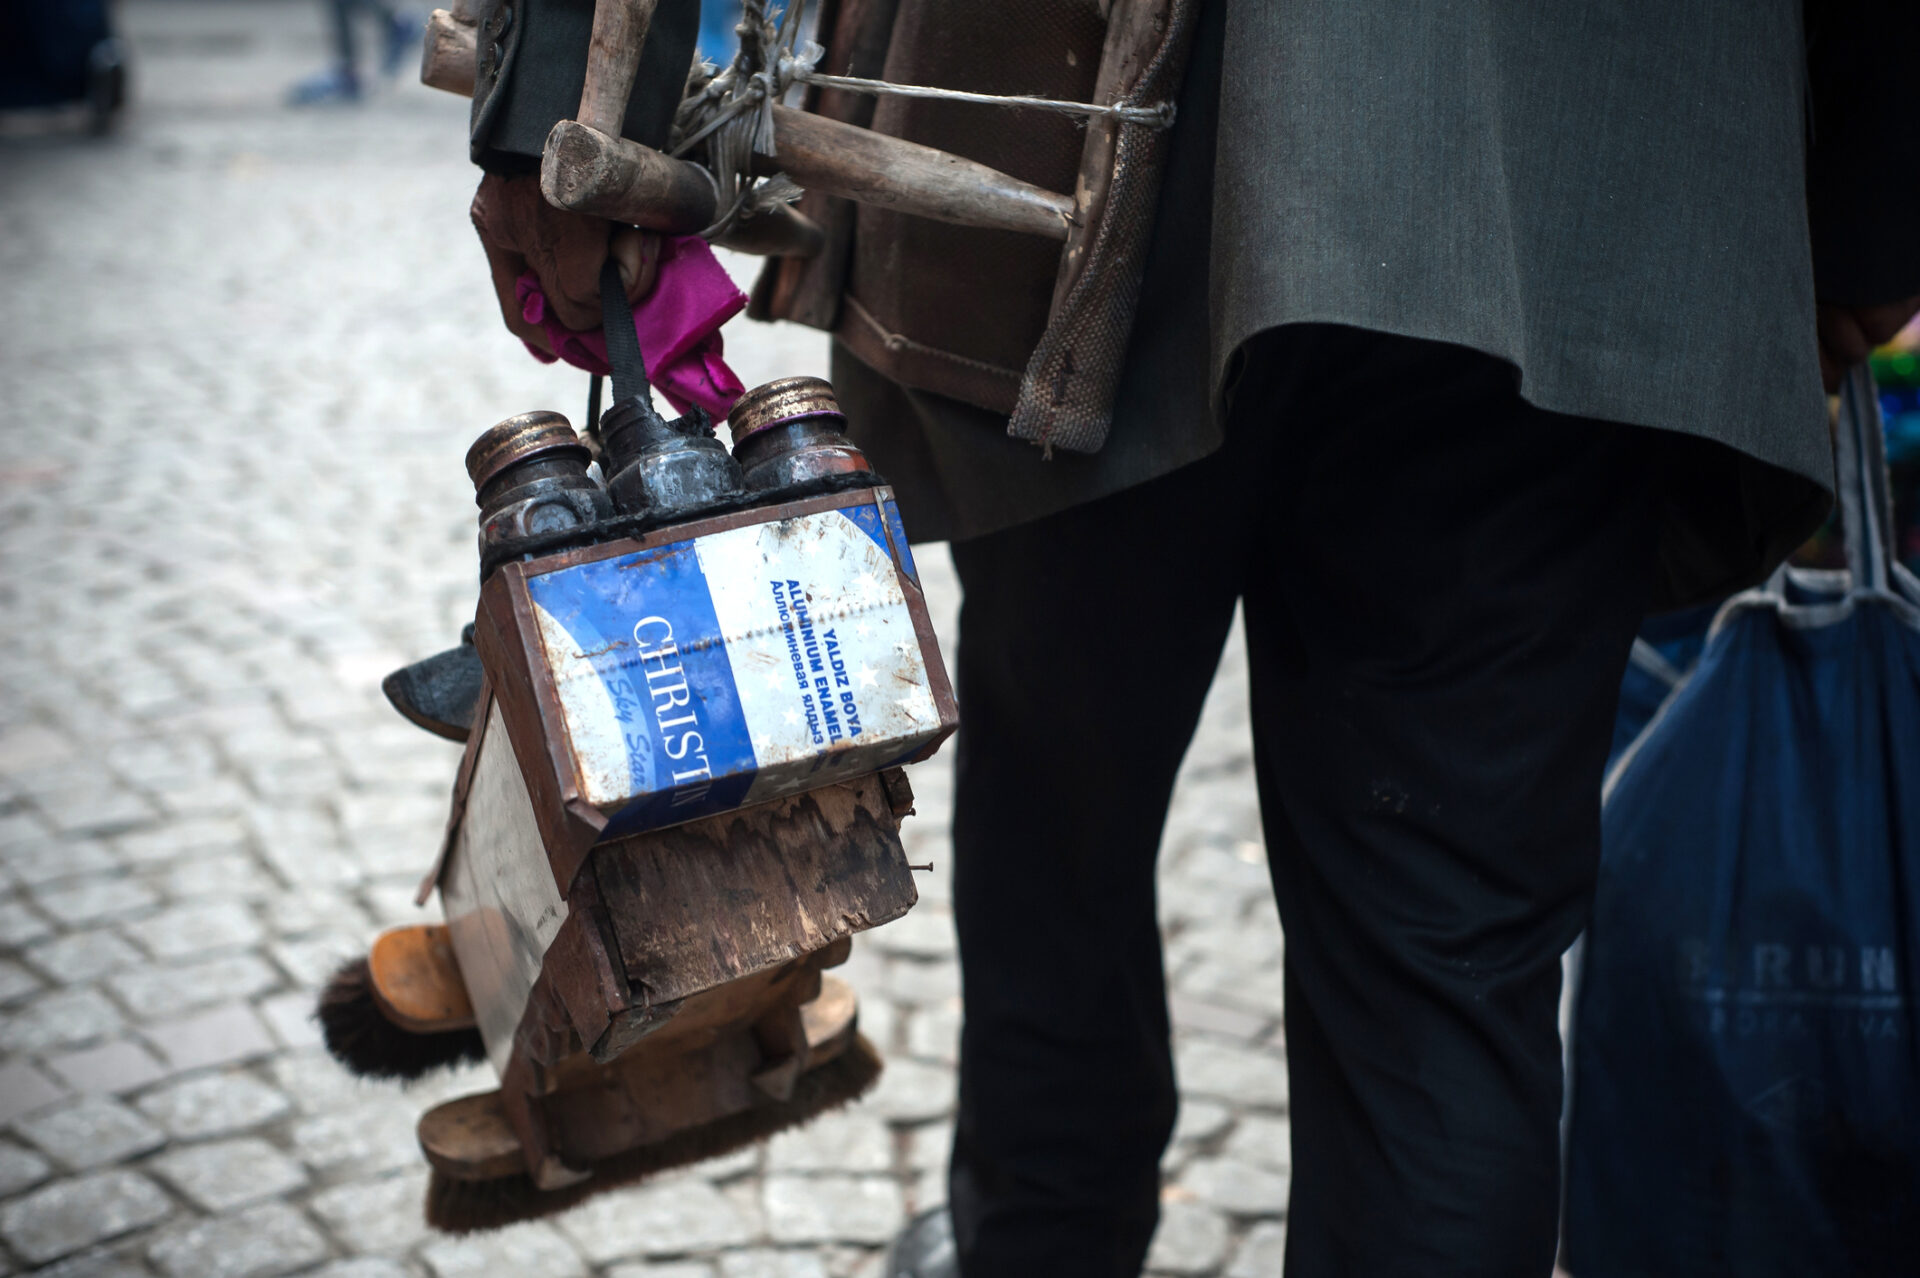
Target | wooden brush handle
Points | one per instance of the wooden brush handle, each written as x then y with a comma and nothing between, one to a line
619,31
591,169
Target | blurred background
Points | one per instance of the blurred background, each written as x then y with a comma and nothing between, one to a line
246,335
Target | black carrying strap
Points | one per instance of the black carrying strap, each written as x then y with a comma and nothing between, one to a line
623,343
1860,472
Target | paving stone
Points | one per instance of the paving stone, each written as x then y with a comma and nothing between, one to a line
50,858
933,1033
927,1189
296,913
311,961
930,1146
109,1069
16,982
87,810
117,1260
1200,1120
655,1269
91,1132
367,1267
920,933
1245,1076
263,1241
809,1209
1227,995
911,1092
233,875
1191,1239
182,837
228,1174
1262,1252
60,1018
24,1089
220,1037
31,744
880,1023
71,1214
844,1141
373,1136
168,991
1236,1187
290,1017
920,981
669,1218
763,1263
19,1169
20,925
532,1250
1198,1015
80,957
189,930
375,1215
214,1104
319,1084
740,1162
1262,1141
95,900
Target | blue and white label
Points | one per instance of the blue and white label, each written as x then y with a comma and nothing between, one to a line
735,667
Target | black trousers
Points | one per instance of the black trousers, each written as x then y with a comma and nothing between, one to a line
1441,584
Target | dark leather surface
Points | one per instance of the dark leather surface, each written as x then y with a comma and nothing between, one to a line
974,301
533,64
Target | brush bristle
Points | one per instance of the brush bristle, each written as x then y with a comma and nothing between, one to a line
370,1045
472,1206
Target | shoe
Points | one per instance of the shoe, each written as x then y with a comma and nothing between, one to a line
440,693
924,1249
337,84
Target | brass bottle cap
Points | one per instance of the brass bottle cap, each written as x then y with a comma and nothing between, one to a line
782,400
519,438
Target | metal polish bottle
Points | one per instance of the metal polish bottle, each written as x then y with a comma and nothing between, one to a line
530,471
709,628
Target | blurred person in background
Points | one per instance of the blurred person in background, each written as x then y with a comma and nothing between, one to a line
399,31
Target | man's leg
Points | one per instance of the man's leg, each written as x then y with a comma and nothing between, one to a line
1437,634
1087,643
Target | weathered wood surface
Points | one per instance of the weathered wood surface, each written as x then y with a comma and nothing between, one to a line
416,980
613,56
696,906
591,169
593,172
873,168
782,231
470,1138
587,170
592,1112
447,59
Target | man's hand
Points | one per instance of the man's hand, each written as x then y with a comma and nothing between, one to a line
521,231
1848,334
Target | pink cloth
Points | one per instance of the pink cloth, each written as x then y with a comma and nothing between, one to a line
678,324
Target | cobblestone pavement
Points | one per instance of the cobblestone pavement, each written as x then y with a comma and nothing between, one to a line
245,349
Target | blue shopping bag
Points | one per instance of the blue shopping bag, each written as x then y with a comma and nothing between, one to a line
1746,1080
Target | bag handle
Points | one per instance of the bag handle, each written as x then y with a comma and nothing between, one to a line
1866,499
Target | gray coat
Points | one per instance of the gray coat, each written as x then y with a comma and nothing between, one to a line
1613,197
